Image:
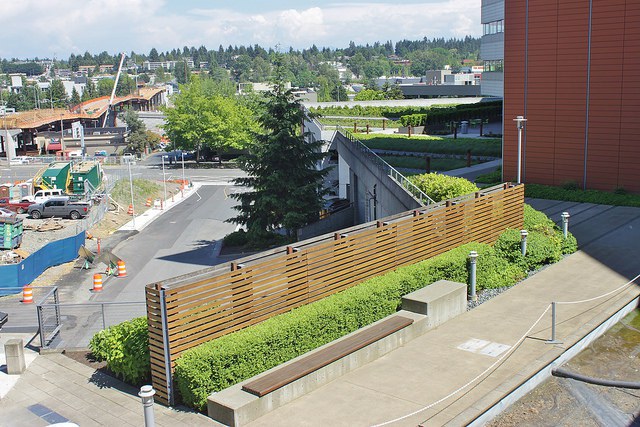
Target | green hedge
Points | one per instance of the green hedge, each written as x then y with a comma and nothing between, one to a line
413,120
442,187
433,144
125,348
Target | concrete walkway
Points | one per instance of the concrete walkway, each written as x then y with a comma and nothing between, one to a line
424,371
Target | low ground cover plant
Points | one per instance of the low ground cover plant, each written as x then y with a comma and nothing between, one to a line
569,192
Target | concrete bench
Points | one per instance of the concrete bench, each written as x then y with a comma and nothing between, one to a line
440,301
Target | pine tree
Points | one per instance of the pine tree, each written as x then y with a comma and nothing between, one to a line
285,187
75,97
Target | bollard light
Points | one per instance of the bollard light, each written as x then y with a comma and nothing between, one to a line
565,224
523,242
473,256
146,394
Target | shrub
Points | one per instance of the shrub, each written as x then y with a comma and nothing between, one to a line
125,348
442,187
413,120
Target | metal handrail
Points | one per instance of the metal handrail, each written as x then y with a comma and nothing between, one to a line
392,172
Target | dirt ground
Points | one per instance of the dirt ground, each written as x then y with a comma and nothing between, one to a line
566,402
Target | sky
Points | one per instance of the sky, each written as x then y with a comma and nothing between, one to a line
48,28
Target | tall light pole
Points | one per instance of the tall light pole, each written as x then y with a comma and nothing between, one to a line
183,182
520,125
132,202
164,182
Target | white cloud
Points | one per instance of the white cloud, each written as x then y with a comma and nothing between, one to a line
42,28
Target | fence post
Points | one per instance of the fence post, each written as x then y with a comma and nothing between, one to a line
166,344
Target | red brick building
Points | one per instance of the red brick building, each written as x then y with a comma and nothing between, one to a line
572,68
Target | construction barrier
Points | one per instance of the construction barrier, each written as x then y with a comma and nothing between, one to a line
148,204
97,282
122,271
27,295
130,211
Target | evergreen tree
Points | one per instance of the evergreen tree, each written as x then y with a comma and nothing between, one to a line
75,97
286,188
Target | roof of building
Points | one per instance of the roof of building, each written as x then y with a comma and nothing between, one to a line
91,109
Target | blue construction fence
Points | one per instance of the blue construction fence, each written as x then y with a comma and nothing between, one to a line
53,253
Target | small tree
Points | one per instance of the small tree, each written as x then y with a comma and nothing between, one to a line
285,187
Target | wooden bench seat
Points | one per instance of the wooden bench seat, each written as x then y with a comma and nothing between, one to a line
298,369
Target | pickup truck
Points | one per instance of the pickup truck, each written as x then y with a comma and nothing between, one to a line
19,207
60,207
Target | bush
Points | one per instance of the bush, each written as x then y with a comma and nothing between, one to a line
413,120
125,348
442,187
545,242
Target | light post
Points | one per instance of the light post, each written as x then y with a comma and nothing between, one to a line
523,242
520,125
183,181
146,395
164,182
62,134
473,256
132,203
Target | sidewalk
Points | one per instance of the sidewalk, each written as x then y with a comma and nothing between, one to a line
412,377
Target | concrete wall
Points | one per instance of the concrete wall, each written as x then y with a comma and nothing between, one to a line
371,185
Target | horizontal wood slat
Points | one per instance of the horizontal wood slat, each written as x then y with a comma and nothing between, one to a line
257,288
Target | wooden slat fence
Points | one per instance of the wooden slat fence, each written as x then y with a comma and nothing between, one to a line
189,310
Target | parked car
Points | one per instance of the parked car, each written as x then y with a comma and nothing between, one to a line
100,153
128,158
19,207
19,160
6,213
61,207
43,195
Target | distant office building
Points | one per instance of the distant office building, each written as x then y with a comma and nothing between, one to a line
166,65
571,69
492,47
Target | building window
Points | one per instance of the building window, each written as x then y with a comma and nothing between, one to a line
493,27
494,65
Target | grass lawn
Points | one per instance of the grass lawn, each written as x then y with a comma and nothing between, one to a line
412,162
433,144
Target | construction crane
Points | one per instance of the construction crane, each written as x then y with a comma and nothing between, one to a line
113,92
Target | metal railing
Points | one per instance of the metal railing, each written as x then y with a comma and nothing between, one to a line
77,323
418,194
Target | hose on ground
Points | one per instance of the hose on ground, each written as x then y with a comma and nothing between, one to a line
563,373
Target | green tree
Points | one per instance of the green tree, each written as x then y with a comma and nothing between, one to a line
75,97
181,72
58,94
160,75
104,87
285,187
203,116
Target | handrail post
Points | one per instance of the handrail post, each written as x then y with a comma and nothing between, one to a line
553,339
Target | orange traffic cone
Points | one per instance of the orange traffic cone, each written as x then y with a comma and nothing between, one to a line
130,211
122,271
148,204
27,294
97,282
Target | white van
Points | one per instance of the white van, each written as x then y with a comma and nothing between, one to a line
44,195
